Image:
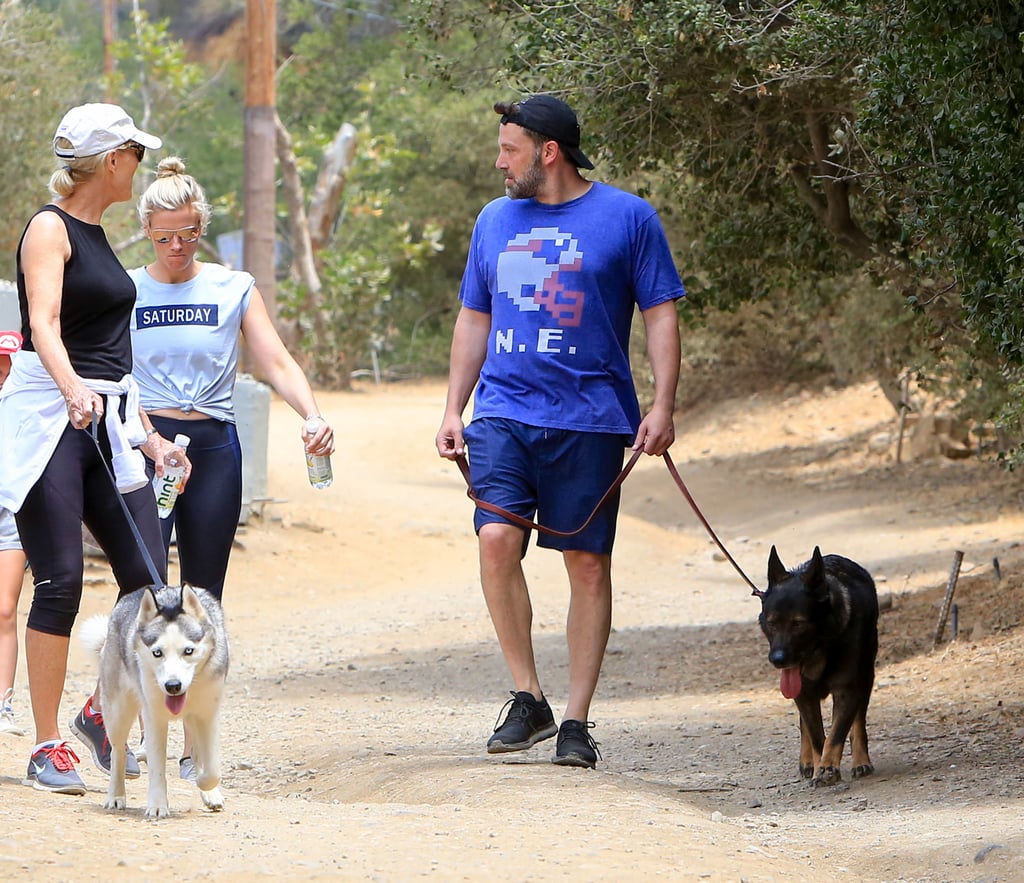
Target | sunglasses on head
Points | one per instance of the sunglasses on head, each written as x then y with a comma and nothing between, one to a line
185,234
136,148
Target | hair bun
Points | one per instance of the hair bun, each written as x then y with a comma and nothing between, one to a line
170,166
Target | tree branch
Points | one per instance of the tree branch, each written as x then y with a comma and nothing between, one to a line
330,184
303,265
837,214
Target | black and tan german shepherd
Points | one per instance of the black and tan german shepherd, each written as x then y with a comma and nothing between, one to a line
821,621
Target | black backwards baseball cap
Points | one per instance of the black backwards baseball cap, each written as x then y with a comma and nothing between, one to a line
551,117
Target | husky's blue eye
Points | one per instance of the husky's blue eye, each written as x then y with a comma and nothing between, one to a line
188,651
158,653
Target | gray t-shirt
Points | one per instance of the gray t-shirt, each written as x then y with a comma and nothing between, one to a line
185,339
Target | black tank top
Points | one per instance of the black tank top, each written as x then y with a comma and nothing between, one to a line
96,303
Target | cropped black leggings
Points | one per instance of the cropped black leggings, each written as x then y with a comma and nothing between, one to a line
73,490
205,516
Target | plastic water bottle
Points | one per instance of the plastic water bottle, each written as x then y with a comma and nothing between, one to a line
318,468
167,487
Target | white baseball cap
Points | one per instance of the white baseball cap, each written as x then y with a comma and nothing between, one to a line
10,342
95,128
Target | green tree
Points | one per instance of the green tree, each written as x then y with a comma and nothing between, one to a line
939,118
803,141
41,73
193,112
420,176
53,52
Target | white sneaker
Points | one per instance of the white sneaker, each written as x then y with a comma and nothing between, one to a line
140,752
7,724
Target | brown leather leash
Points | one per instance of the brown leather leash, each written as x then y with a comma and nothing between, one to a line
533,525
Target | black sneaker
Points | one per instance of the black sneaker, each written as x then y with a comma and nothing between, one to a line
528,722
575,746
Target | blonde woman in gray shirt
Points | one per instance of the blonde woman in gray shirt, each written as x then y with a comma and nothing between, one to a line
185,340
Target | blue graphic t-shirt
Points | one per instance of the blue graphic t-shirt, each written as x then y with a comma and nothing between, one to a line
185,339
561,283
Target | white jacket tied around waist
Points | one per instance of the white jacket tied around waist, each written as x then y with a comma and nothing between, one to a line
33,416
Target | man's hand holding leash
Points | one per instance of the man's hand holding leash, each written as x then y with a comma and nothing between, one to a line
656,434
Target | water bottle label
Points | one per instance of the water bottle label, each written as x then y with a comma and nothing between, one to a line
319,470
166,490
319,467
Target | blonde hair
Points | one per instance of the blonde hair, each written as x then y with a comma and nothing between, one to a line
171,190
73,172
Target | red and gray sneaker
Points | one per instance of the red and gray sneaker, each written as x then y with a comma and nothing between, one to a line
88,726
528,722
52,768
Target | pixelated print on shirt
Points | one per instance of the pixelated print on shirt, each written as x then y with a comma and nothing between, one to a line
529,269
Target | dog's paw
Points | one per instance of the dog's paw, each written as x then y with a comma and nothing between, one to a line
865,769
118,801
213,799
827,775
806,770
158,812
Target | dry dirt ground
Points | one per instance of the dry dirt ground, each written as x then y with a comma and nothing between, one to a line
366,679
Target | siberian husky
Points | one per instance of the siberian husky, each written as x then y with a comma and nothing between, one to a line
164,652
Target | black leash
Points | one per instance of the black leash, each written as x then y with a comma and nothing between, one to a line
533,525
158,582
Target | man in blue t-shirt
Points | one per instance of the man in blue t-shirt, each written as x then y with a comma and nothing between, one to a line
555,271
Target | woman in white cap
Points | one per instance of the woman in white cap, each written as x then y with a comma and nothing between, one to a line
74,369
12,575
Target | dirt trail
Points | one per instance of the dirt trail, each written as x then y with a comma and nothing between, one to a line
366,677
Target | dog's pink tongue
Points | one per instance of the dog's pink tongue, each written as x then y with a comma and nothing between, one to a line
175,703
790,683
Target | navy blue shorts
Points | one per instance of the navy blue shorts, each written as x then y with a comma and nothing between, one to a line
559,475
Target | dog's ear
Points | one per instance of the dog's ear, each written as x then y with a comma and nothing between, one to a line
148,608
814,574
776,569
190,602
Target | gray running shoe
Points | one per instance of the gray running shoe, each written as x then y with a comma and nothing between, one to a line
575,746
187,770
7,723
53,769
528,722
88,726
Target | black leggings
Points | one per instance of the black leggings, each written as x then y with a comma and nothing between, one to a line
73,490
205,516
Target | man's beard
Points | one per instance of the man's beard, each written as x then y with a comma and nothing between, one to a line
530,183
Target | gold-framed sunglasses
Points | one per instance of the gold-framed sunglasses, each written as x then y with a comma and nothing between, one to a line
136,148
188,234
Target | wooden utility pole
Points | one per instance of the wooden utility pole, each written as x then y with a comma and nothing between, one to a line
260,135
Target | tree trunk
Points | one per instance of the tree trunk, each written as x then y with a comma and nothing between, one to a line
833,212
311,232
330,184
